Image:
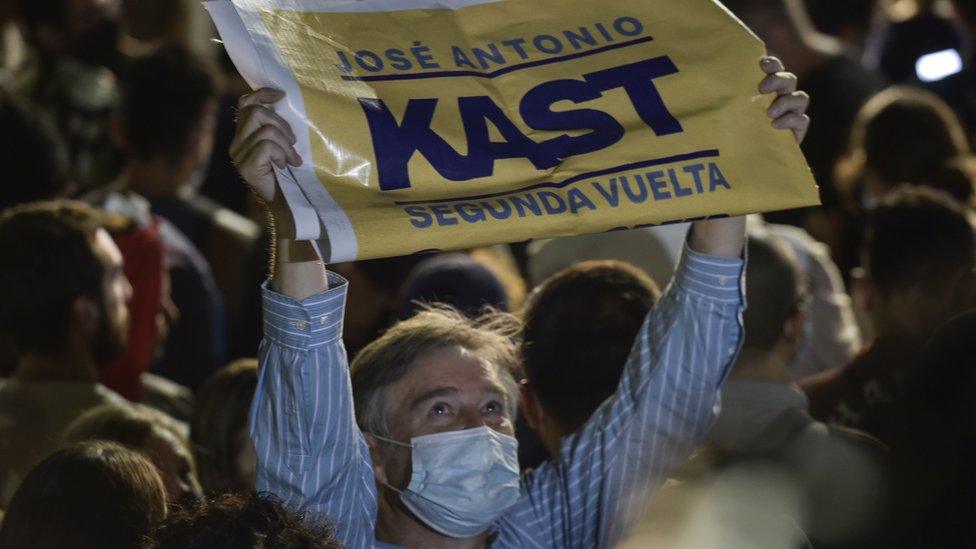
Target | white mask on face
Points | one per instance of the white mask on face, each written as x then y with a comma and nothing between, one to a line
462,481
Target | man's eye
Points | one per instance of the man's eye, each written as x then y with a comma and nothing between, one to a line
494,407
440,409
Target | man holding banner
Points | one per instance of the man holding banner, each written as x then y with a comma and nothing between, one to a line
425,457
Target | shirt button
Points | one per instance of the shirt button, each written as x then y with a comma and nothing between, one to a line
722,281
300,324
324,320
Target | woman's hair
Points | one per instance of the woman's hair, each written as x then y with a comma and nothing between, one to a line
132,425
219,414
904,135
90,495
242,520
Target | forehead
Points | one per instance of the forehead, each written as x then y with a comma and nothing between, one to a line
452,366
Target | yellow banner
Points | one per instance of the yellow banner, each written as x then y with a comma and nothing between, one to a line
475,122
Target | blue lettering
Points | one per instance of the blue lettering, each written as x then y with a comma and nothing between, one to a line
658,185
526,202
398,60
374,64
695,170
504,213
441,212
635,26
716,178
638,196
493,55
612,196
637,79
553,203
554,45
578,200
423,220
577,40
470,212
679,191
461,58
536,110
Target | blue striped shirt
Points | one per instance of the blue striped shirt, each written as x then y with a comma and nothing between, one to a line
312,454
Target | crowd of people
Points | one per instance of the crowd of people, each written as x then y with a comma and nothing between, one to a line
174,373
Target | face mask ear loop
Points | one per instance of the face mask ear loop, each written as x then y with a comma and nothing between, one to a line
390,440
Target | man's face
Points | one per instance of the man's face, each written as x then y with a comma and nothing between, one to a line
450,389
110,338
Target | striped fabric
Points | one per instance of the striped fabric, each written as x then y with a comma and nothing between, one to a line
312,454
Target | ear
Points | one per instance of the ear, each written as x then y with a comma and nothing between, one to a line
531,408
793,328
378,458
84,316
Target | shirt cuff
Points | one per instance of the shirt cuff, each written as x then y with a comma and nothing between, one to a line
302,325
717,278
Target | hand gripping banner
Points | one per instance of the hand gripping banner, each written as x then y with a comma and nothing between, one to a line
449,124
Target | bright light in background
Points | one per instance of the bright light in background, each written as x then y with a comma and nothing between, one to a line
936,66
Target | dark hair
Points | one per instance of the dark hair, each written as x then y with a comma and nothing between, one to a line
92,495
241,521
452,279
48,262
39,12
164,95
579,328
219,412
903,135
831,16
918,237
34,158
775,288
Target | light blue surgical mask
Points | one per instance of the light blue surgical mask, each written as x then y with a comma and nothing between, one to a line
462,481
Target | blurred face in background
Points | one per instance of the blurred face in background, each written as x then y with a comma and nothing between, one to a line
175,465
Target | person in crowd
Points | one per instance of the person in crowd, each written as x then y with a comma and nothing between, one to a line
89,495
434,399
932,433
38,170
578,329
244,520
903,135
765,417
919,254
452,279
71,74
925,43
828,72
63,312
164,147
218,429
150,432
36,159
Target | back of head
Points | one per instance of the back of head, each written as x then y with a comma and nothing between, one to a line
91,495
579,328
901,135
455,280
919,239
164,99
834,18
219,415
130,426
241,521
390,358
775,288
34,158
48,261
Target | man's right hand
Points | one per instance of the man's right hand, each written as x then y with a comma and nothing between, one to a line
263,140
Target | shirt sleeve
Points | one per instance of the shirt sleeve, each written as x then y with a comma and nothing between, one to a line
311,453
666,401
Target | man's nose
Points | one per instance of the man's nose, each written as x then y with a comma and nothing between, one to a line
471,418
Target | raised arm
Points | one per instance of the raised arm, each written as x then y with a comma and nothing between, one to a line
310,450
668,392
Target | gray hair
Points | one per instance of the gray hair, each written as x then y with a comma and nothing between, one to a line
389,358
